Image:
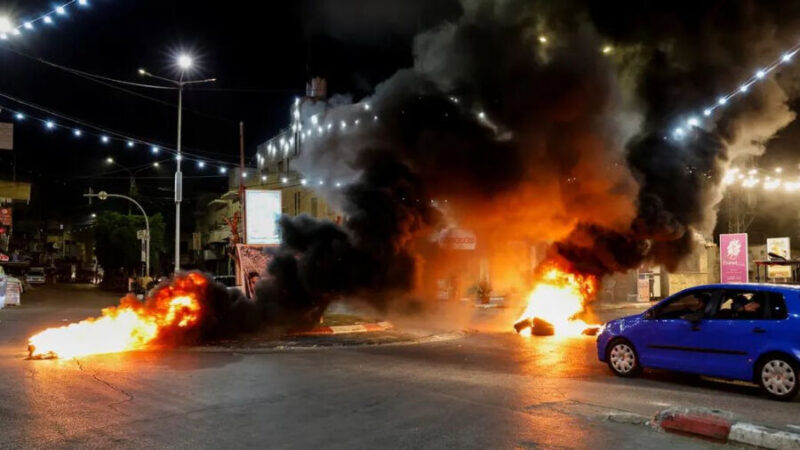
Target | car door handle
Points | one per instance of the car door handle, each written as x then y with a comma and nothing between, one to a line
759,330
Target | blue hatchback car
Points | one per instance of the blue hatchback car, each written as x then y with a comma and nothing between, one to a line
745,332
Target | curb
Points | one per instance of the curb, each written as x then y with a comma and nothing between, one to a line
343,329
720,426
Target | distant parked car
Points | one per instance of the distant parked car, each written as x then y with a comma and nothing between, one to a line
747,332
36,275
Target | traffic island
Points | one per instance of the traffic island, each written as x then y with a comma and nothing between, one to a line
713,425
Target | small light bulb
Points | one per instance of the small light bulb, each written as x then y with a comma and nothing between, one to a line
263,178
223,170
104,139
760,74
722,100
154,149
47,19
284,180
201,164
707,112
50,124
77,132
20,116
60,10
155,164
130,144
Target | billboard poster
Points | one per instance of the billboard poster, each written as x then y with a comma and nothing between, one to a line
253,261
263,212
733,259
781,247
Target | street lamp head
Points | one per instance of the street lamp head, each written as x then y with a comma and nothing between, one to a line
184,61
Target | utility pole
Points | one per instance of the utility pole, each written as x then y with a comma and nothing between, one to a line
242,192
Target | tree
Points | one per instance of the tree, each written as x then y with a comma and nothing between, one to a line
116,244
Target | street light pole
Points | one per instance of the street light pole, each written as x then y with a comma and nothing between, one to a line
102,195
178,180
184,63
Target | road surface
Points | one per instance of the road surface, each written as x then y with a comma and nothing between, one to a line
487,390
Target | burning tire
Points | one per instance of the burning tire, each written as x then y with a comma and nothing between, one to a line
623,359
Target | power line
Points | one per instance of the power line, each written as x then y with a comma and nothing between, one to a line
108,82
106,135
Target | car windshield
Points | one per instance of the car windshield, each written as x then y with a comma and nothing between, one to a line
36,272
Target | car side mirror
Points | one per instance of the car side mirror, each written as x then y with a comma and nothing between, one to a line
694,317
649,314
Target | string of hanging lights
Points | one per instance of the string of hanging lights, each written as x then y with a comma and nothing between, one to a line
10,29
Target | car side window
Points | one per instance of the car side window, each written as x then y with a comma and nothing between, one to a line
689,303
741,305
777,306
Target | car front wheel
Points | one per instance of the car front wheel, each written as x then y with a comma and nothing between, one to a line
777,375
622,359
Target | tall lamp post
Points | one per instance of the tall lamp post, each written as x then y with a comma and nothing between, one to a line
184,63
103,195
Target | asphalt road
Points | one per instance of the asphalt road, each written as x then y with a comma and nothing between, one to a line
487,390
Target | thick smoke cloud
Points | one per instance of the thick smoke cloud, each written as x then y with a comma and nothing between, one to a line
552,142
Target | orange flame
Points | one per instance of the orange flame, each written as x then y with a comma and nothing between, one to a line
130,326
558,298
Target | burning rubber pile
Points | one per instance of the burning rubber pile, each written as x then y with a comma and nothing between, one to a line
169,315
556,302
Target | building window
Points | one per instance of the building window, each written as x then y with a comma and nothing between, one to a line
313,206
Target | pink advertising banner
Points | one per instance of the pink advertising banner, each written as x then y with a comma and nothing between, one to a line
733,260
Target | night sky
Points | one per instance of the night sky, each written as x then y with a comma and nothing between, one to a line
261,56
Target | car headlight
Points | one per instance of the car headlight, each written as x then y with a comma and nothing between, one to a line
602,328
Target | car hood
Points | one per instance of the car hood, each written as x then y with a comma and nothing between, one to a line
623,323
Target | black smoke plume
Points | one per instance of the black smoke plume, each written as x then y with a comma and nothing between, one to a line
516,123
